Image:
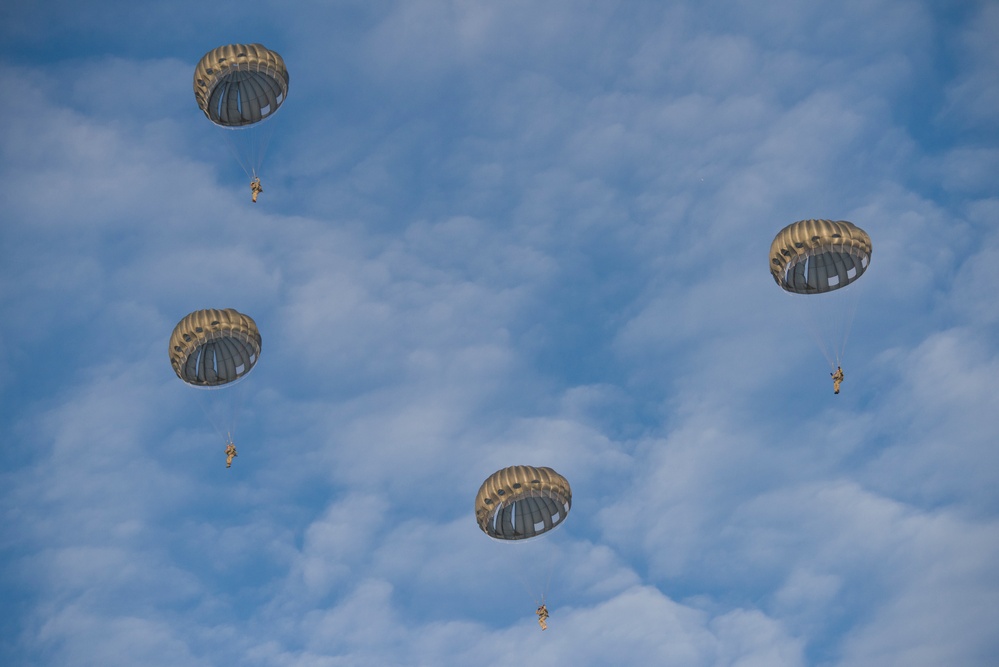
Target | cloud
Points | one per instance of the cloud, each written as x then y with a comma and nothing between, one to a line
493,237
975,90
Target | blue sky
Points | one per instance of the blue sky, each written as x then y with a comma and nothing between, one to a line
497,234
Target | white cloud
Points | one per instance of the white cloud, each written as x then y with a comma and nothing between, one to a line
974,94
493,237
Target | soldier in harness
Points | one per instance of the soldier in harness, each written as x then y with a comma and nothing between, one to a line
837,378
230,453
256,188
542,613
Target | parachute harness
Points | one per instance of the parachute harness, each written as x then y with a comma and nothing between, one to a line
837,378
230,453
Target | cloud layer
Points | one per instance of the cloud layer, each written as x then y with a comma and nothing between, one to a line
494,236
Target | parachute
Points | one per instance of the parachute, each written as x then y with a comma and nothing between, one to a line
516,504
210,348
521,502
215,349
817,256
821,257
239,86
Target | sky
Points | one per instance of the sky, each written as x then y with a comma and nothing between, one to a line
498,234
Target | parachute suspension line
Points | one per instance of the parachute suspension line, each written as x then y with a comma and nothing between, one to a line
520,568
212,419
226,408
261,136
264,134
551,570
527,586
231,144
236,402
814,327
851,314
527,561
248,146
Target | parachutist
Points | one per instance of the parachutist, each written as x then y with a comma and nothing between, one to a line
230,453
256,188
215,348
523,503
542,613
837,377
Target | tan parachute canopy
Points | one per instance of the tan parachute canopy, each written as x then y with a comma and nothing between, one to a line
815,256
240,84
211,347
521,502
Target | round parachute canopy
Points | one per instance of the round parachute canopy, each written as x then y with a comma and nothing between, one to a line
210,348
520,502
815,256
240,84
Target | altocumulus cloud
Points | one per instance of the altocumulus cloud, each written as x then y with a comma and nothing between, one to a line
489,236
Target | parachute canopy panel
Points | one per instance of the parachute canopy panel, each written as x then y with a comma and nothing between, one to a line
240,84
815,256
210,348
520,502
